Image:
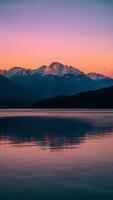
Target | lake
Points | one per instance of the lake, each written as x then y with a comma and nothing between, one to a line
56,154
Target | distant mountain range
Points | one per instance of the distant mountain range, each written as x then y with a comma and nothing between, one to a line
48,82
102,98
56,79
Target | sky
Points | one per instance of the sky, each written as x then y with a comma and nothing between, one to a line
73,32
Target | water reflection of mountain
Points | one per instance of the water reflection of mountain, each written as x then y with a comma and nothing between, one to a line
53,133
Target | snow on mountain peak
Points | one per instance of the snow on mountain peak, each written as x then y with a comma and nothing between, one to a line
58,69
15,71
55,68
96,76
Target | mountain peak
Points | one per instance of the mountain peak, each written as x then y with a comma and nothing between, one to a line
56,65
55,69
58,69
96,76
15,71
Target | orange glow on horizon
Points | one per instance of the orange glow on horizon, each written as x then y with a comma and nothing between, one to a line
88,54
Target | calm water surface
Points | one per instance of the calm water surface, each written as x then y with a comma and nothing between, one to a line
56,154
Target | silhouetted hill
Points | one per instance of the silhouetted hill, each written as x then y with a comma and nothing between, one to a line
12,94
102,98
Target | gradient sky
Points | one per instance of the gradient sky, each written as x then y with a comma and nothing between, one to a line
74,32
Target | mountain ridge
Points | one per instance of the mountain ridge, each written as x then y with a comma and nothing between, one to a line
102,98
53,69
55,80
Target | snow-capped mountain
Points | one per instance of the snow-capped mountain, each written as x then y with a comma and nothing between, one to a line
96,76
101,80
15,71
56,79
56,69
